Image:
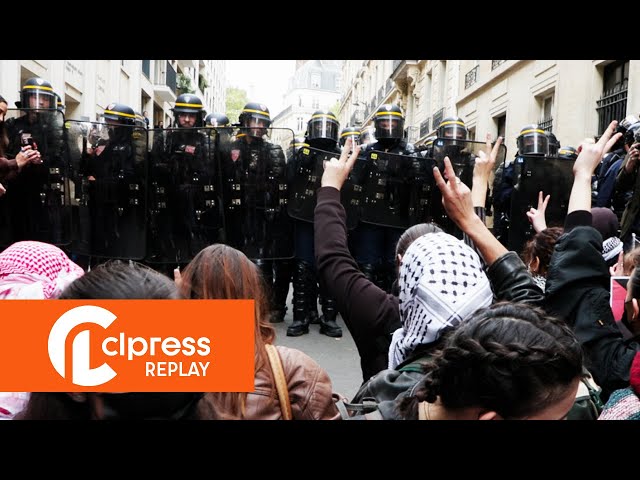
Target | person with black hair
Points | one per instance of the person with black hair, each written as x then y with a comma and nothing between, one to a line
124,281
510,361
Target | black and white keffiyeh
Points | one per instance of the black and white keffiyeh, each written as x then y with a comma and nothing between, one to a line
611,248
442,282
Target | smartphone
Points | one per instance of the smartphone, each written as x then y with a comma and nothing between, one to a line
27,140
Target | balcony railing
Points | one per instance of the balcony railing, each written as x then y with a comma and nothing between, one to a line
388,86
380,94
437,118
396,64
496,63
546,124
424,128
612,106
471,77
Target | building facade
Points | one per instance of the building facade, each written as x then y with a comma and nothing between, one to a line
315,85
88,86
574,99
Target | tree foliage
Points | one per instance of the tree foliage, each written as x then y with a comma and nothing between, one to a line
236,100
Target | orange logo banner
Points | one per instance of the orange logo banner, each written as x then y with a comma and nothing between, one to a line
127,345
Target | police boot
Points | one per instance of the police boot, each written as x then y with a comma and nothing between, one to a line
328,325
312,300
282,273
301,286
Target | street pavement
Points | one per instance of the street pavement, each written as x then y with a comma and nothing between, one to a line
338,356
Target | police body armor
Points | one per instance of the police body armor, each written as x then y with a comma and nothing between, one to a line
255,196
307,168
396,185
551,175
185,206
109,182
462,154
37,203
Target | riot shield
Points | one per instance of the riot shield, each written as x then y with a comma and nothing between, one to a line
551,175
255,194
394,189
108,189
36,205
462,154
185,209
307,168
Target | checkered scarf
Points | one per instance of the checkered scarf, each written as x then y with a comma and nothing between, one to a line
442,283
35,270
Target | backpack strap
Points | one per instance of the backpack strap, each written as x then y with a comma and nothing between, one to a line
348,410
281,382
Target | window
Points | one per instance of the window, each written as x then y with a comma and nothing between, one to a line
613,102
501,124
315,103
315,80
300,124
471,135
546,122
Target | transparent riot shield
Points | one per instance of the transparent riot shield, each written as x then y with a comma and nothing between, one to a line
255,194
185,209
395,189
306,172
36,205
108,188
551,175
462,154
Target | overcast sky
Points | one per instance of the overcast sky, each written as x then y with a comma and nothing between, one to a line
265,81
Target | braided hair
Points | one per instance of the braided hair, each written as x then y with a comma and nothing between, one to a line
509,358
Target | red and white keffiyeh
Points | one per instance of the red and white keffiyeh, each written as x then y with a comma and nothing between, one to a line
35,270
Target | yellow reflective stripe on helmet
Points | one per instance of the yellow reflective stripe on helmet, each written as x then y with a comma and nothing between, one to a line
388,113
300,144
562,152
346,134
38,87
266,114
533,130
452,122
194,105
322,115
120,113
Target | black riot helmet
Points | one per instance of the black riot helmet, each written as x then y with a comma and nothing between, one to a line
188,103
629,135
296,144
139,122
322,129
567,153
427,148
258,115
59,105
217,120
453,128
554,144
367,135
37,93
532,141
350,132
389,122
119,113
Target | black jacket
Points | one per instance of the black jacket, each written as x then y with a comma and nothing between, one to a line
577,290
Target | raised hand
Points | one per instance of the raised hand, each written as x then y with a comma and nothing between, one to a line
337,170
536,216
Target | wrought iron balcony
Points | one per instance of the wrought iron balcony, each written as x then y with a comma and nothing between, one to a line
471,77
496,63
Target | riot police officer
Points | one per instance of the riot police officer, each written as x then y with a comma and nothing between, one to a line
568,153
116,191
350,132
36,198
322,134
185,203
255,187
531,140
374,246
222,129
367,136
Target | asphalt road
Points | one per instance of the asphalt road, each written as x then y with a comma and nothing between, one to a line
338,356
